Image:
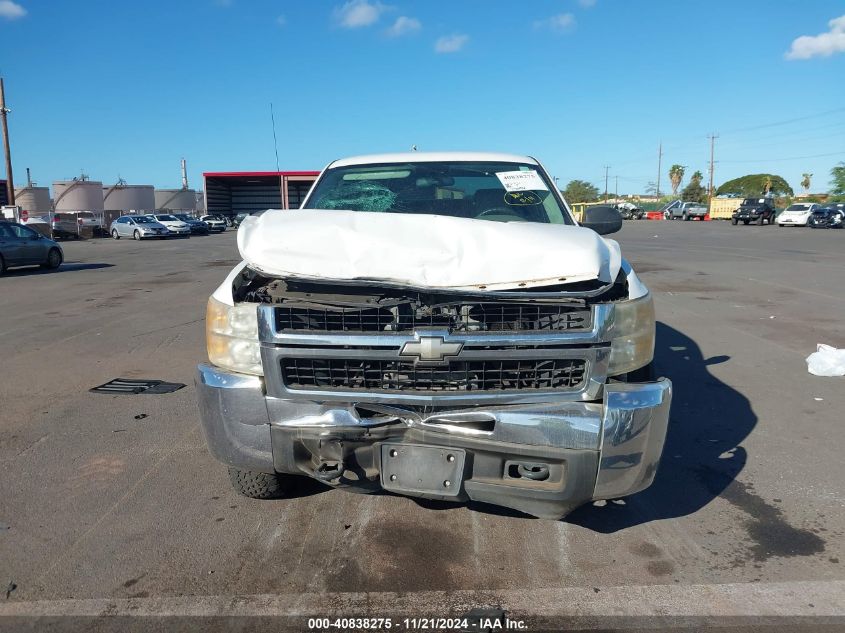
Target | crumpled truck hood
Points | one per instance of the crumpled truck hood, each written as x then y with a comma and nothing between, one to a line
425,251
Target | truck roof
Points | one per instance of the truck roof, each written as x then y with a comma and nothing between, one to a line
433,157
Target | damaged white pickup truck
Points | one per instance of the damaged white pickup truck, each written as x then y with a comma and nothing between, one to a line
439,326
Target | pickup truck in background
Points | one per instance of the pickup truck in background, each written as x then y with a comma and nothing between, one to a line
680,210
439,326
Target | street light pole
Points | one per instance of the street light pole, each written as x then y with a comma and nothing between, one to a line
10,185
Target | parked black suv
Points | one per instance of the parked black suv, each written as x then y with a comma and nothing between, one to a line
755,210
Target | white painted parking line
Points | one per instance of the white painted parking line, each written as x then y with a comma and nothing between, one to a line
794,599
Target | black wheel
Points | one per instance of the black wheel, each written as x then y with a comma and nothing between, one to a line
115,234
137,234
2,265
686,216
734,221
759,221
258,485
54,259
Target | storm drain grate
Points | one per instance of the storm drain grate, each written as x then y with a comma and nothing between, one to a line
137,385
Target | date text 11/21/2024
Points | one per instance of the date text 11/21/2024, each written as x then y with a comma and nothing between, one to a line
482,623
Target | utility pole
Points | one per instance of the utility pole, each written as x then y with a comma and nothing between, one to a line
10,185
713,138
616,195
606,170
659,167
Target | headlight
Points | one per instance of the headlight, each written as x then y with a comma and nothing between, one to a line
632,343
231,334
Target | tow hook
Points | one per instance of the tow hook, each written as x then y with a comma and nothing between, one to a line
537,472
329,470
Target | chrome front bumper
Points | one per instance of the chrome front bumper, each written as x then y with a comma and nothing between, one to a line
593,450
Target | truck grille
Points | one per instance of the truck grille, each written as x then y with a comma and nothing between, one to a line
462,317
340,374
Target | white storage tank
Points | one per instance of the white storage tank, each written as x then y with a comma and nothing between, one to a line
176,199
35,200
78,195
121,197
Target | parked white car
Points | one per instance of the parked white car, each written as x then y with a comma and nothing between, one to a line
214,222
797,214
177,227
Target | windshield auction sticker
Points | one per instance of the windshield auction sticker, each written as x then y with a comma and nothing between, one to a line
521,181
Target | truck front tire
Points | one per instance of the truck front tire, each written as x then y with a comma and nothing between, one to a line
258,485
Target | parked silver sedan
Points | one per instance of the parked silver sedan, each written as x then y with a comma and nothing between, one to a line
139,227
21,246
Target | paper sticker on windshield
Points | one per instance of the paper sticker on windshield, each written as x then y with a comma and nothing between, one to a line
522,181
522,198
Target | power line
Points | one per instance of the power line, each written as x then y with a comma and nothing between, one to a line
773,160
806,139
784,122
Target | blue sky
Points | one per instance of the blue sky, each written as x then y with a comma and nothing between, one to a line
126,89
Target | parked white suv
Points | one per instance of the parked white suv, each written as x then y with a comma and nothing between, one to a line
214,222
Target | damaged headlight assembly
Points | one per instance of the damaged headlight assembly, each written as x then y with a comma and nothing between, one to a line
632,344
232,336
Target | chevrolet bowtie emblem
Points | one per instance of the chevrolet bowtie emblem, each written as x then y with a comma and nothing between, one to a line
431,349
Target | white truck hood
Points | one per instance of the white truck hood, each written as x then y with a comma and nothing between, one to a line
426,251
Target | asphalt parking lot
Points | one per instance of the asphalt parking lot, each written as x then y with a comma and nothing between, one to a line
114,500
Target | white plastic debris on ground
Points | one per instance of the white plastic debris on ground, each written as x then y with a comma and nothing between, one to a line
827,361
426,251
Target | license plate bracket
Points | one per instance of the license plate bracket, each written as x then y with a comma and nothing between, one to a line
427,470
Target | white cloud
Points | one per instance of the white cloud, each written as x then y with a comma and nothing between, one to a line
281,20
357,13
560,23
403,26
821,45
587,3
451,43
11,10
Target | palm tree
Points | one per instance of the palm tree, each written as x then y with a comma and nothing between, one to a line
696,178
805,182
676,176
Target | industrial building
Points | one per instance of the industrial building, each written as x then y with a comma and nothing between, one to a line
122,197
178,200
78,195
231,193
34,200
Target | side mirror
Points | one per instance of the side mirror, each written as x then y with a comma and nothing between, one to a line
602,219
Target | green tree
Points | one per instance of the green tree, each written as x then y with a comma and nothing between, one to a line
805,182
676,177
580,191
755,185
837,175
694,192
